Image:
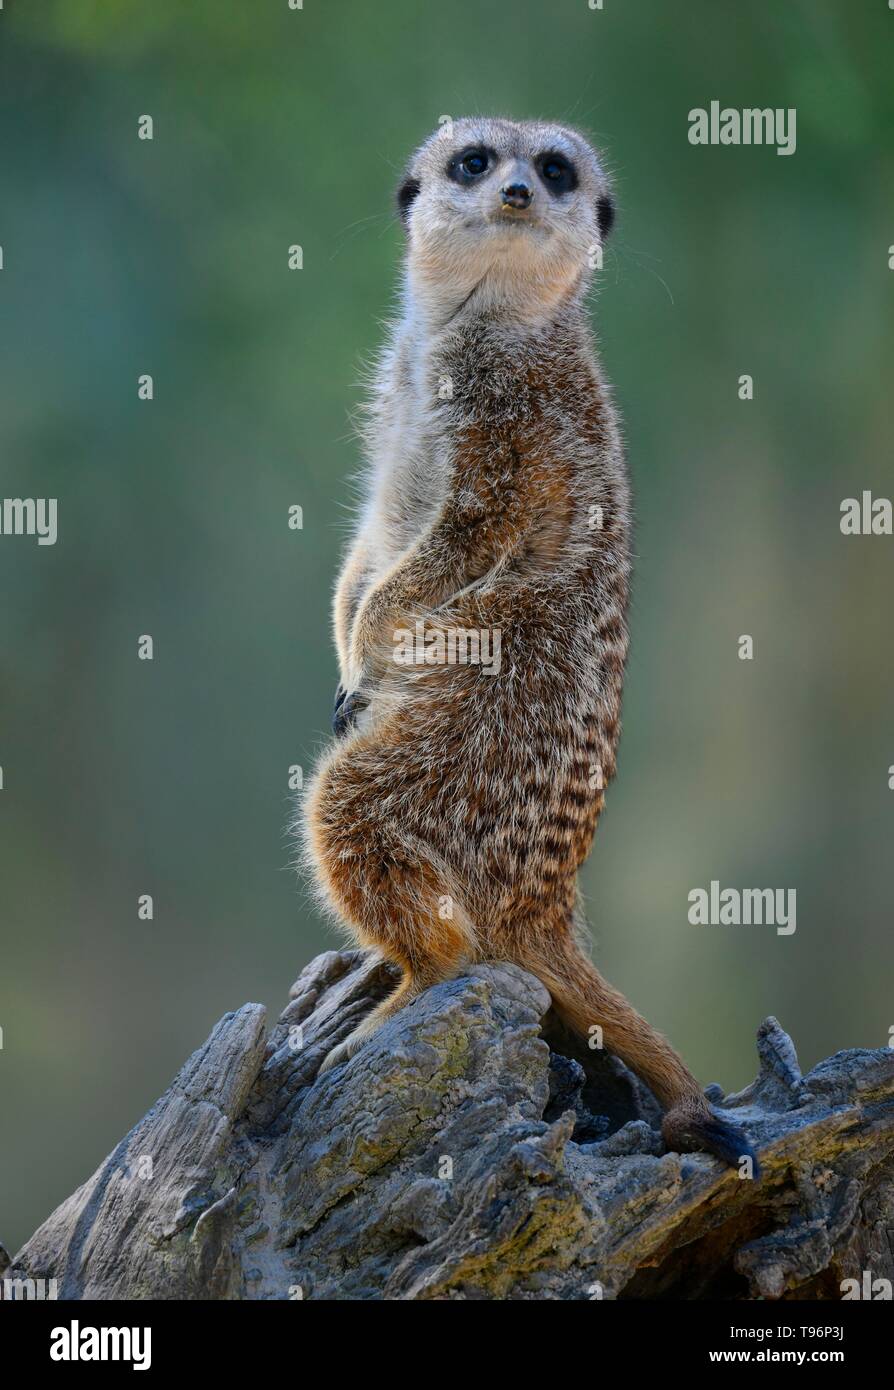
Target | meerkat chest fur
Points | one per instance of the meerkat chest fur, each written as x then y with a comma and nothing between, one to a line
484,414
408,455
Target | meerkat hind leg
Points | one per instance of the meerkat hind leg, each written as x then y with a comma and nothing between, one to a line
391,892
409,989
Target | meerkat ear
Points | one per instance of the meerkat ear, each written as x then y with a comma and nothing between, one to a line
605,215
406,195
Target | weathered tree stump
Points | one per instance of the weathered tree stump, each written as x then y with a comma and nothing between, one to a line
465,1153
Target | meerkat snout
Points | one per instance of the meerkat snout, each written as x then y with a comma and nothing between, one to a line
516,194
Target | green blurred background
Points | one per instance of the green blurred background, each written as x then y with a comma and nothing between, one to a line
121,257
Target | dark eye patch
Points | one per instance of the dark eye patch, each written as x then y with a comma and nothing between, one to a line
406,195
557,173
605,215
470,164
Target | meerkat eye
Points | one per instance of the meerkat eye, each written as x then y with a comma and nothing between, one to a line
557,173
469,165
474,163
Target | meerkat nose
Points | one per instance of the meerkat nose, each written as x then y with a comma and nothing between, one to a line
516,195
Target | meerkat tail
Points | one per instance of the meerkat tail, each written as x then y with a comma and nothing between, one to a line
585,1001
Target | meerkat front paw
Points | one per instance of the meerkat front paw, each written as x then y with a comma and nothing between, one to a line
339,719
347,708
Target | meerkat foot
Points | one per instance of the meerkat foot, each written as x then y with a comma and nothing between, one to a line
342,1053
352,1044
348,1048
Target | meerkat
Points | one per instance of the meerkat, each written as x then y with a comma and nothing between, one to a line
449,820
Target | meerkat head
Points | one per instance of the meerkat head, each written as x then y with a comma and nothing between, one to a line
513,213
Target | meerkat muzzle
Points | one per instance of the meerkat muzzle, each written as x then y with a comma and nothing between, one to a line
516,195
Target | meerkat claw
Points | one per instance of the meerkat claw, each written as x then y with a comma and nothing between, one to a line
347,708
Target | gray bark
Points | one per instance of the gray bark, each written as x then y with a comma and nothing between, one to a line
470,1151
